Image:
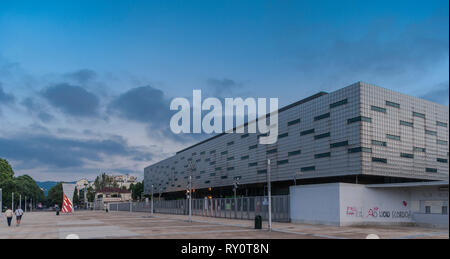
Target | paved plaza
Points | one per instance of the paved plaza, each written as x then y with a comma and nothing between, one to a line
99,224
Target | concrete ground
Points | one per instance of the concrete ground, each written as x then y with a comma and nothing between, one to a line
99,224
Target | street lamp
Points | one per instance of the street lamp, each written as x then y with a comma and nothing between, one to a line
191,167
235,186
152,199
85,195
269,194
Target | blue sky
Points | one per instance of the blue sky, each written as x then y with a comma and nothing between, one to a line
78,78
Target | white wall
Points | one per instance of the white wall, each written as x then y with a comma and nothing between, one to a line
317,204
352,204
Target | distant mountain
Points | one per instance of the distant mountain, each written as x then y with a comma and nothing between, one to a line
46,186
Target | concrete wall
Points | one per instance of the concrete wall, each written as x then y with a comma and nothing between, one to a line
317,204
352,204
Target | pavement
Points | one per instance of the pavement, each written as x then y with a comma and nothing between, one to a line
125,225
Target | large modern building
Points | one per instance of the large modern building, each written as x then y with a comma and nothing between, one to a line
359,134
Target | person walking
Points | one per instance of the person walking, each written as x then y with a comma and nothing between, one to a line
19,214
9,216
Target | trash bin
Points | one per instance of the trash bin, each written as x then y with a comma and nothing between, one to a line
106,210
57,212
258,222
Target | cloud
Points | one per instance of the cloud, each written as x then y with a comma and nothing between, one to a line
72,100
51,151
34,107
5,98
223,87
82,76
143,104
438,94
382,54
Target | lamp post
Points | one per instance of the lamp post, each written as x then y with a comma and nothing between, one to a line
20,201
235,186
152,200
269,194
25,200
85,196
191,168
12,201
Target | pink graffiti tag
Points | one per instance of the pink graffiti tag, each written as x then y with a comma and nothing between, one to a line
373,212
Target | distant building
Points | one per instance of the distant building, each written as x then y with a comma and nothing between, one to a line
125,180
108,195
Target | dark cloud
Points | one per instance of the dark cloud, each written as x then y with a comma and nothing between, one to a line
4,97
72,100
438,94
82,76
143,104
47,150
36,108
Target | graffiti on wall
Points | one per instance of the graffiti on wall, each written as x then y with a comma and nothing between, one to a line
376,212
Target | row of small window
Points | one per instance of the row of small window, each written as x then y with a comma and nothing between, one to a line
322,116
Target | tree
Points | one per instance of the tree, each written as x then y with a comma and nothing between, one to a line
136,190
103,181
76,199
55,195
23,185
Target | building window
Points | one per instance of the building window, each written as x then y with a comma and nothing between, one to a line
392,104
197,177
419,149
406,123
339,144
244,157
224,153
283,135
431,170
282,162
294,153
263,135
323,116
293,122
393,137
430,132
230,158
253,164
441,124
212,152
379,160
441,142
336,104
212,174
230,143
379,143
202,172
231,168
244,135
207,159
444,210
223,177
321,155
324,135
359,118
218,168
308,168
442,160
272,151
418,114
264,171
378,109
360,149
306,132
253,147
427,209
406,155
207,181
212,163
195,153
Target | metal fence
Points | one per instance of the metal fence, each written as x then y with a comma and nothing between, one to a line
239,208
